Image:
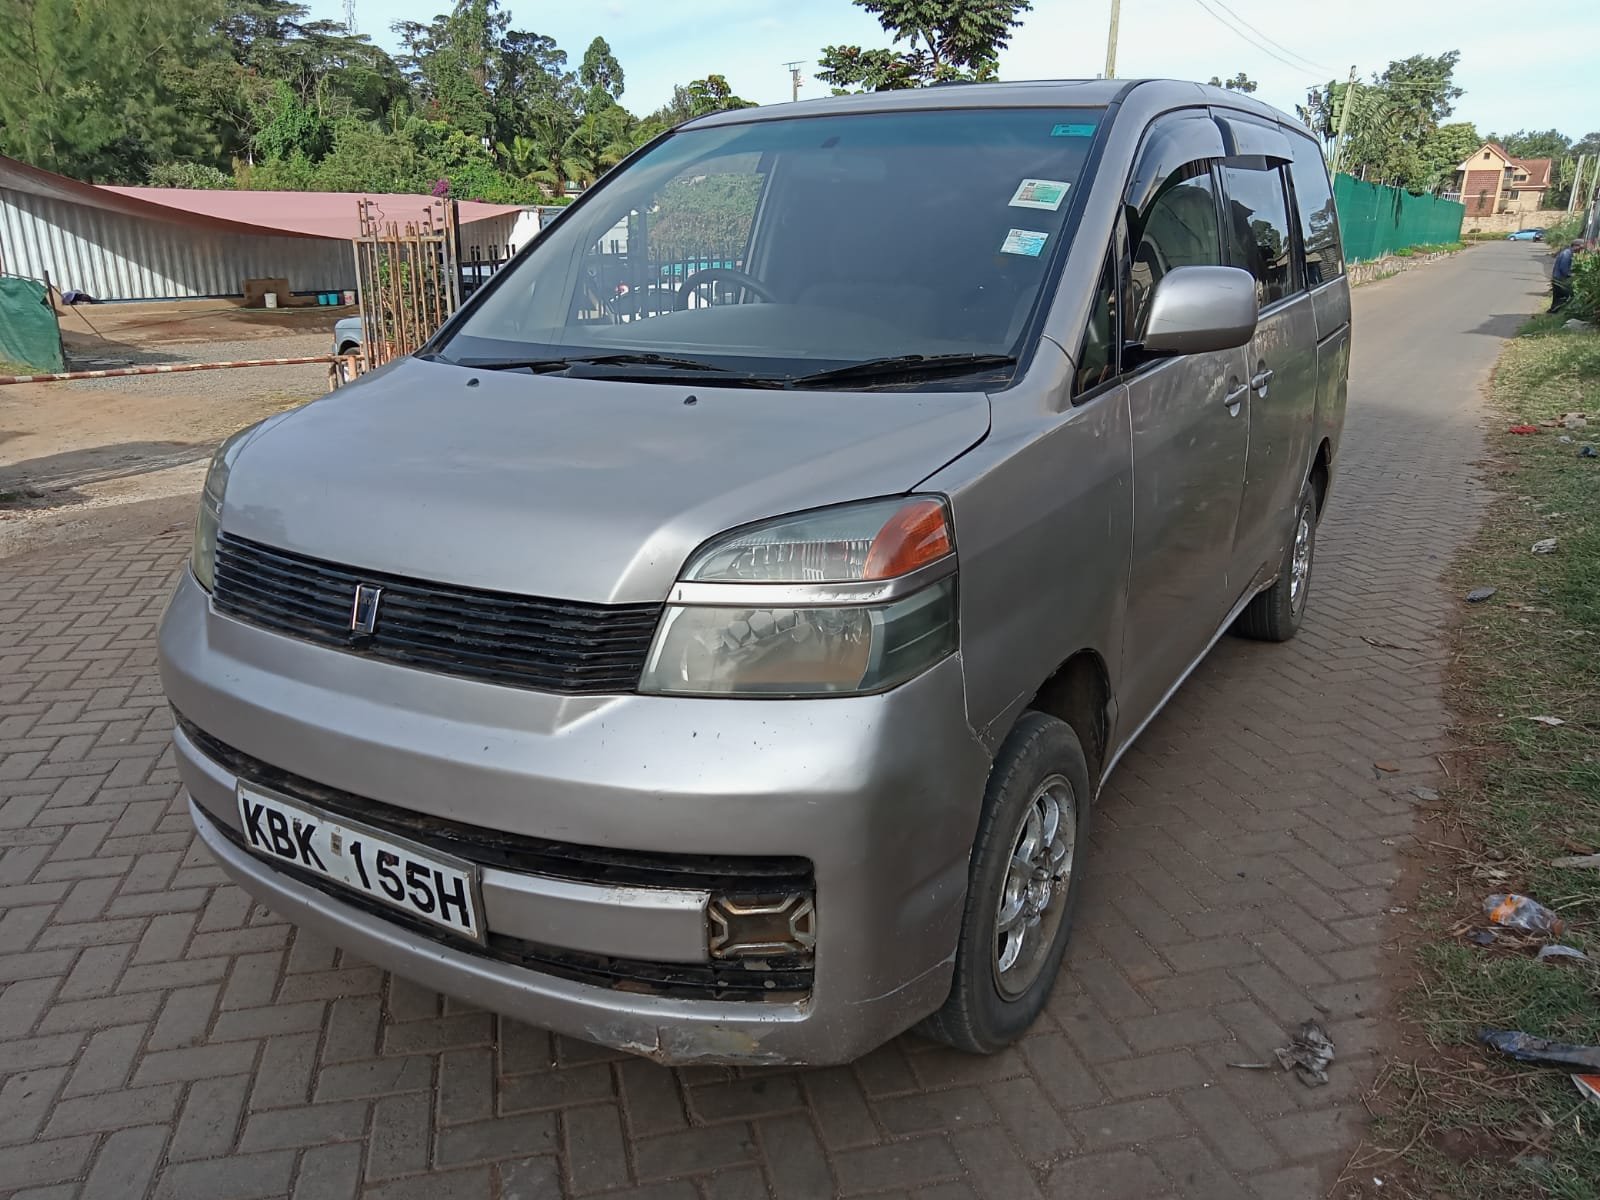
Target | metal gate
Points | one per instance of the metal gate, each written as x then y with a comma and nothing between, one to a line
408,279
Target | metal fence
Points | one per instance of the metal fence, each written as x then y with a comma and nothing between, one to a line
1376,220
626,287
408,280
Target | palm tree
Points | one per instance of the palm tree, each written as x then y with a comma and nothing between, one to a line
595,146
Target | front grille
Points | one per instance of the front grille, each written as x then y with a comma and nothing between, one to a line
520,641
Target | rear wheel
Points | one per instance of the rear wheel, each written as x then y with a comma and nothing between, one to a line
1275,614
1021,889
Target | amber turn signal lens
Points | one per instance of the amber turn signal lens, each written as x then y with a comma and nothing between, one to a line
914,537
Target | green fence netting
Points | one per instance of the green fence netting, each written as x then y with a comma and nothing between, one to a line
29,332
1377,220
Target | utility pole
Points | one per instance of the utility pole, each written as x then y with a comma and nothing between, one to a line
1111,39
1344,122
794,79
1577,185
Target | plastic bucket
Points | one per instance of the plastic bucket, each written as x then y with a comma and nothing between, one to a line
271,299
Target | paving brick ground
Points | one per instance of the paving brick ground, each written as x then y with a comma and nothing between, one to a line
162,1036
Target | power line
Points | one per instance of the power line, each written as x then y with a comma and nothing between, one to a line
1223,21
1315,66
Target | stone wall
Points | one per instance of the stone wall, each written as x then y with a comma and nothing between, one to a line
1510,222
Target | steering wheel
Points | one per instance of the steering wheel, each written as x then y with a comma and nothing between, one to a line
731,274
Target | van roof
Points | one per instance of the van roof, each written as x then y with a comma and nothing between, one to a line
1031,93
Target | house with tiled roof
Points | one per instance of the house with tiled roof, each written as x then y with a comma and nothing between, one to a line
1492,181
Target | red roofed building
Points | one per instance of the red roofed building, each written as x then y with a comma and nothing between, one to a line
1491,181
145,243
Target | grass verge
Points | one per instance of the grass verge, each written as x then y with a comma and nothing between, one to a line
1474,1125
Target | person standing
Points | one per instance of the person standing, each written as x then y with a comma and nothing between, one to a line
1561,275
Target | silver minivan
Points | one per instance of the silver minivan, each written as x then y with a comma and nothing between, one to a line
713,643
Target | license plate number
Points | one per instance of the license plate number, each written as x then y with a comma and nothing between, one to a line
430,886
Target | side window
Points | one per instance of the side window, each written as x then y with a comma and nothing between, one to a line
1097,353
1319,222
1177,229
1257,224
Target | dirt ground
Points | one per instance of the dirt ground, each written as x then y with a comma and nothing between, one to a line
128,455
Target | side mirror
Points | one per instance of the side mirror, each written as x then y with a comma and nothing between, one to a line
1199,309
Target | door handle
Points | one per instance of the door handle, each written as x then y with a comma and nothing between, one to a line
1259,381
1235,395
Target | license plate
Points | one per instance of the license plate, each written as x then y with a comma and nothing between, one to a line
430,886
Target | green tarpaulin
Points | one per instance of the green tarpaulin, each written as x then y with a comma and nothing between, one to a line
29,333
1375,220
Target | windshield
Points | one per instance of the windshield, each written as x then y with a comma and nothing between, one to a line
785,248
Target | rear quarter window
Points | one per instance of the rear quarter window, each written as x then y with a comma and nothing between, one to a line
1319,223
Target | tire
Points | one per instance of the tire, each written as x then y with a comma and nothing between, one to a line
346,374
1040,765
1275,614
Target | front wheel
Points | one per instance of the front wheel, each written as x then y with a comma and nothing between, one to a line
1275,614
1022,887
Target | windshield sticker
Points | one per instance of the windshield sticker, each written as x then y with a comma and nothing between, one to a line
1024,241
1072,131
1040,193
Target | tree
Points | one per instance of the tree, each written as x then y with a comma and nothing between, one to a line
712,94
600,75
288,126
1545,143
602,139
948,40
1449,147
1239,83
85,86
453,61
1392,120
189,175
205,93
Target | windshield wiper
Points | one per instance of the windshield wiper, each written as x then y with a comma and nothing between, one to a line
641,359
902,367
540,365
645,358
536,365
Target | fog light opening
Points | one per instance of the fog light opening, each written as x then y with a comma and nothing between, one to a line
762,927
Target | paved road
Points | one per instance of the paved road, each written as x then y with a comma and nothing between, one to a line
161,1035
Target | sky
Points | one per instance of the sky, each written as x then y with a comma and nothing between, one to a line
1537,74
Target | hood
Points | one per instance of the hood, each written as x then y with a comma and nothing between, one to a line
575,489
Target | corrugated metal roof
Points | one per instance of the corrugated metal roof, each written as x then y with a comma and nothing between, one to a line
283,214
308,214
116,256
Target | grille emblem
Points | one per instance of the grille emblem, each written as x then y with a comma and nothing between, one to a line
364,612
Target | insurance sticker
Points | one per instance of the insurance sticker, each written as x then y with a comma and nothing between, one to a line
1072,131
1040,193
1024,241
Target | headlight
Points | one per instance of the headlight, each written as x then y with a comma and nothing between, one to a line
203,560
843,601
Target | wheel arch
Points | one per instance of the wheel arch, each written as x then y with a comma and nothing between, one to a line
1321,474
1078,692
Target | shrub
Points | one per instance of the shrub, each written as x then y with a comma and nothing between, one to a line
1585,303
188,175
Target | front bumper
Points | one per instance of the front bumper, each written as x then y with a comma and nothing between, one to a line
880,794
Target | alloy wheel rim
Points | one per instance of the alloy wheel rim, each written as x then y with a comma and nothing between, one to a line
1033,894
1300,565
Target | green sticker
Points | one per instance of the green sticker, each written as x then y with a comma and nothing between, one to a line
1072,131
